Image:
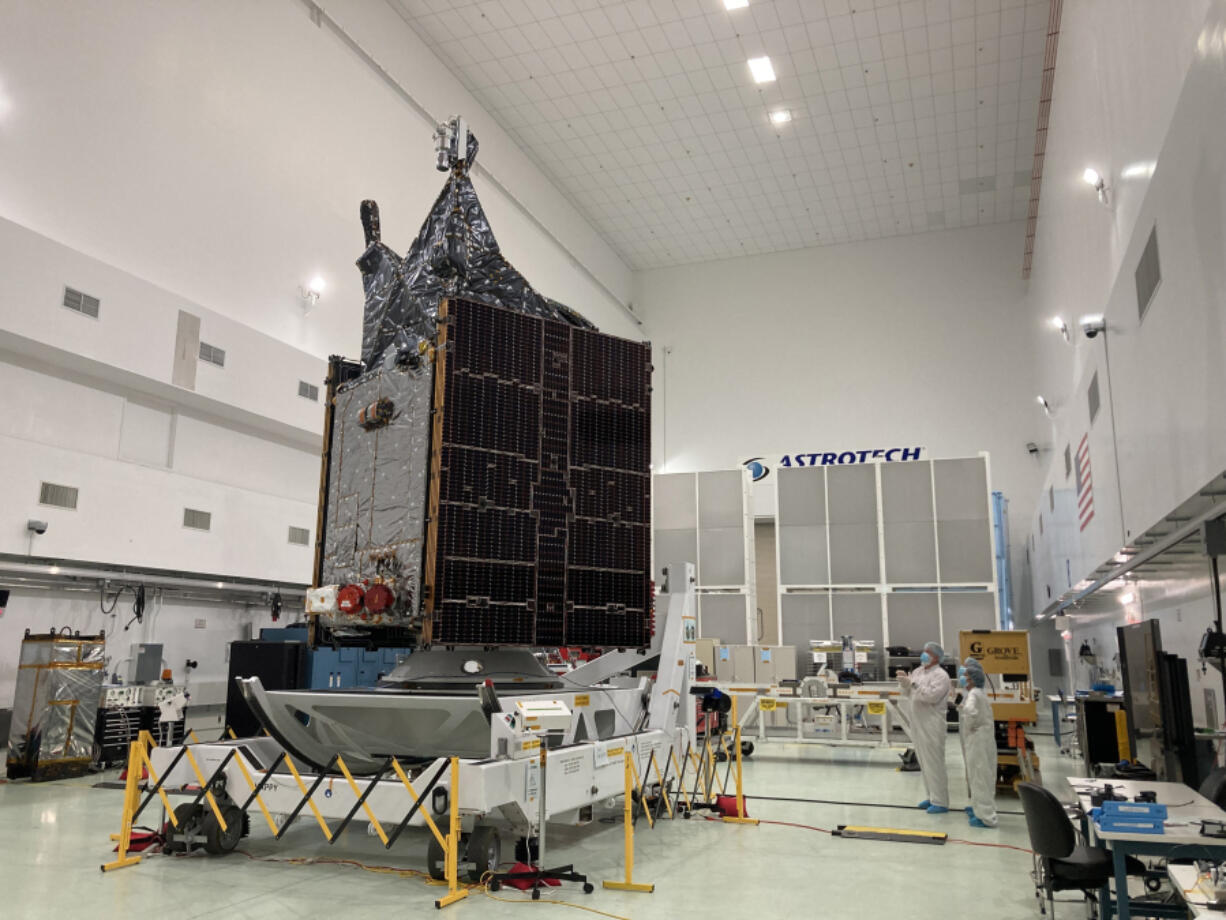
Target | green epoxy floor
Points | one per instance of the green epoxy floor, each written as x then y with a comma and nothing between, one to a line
55,836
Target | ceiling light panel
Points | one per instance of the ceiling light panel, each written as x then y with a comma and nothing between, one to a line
646,115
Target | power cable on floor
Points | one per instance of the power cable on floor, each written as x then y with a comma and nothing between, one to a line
405,872
780,798
971,843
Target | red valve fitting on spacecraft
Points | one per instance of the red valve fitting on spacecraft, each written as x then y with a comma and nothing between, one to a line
379,598
350,598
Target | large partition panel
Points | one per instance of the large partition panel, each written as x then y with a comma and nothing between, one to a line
705,518
898,553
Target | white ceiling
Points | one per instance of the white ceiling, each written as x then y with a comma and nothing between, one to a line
905,116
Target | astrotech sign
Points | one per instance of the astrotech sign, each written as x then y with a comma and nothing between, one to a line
760,467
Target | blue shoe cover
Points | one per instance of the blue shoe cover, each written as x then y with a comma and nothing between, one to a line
975,822
970,811
924,805
937,809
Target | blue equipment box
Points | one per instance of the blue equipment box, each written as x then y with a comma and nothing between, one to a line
1142,810
1129,825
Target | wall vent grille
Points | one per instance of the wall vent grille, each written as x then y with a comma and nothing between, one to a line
58,496
212,354
1094,399
81,303
197,520
1148,274
300,536
1051,498
1068,461
308,391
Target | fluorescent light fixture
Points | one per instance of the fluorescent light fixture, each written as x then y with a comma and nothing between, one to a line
54,570
780,117
735,4
220,584
762,70
1127,598
1093,178
311,293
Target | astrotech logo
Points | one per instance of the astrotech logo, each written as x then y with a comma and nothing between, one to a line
757,469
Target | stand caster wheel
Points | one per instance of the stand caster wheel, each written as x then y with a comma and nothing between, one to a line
494,884
588,887
484,852
536,894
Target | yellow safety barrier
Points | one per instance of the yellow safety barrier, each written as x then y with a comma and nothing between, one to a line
138,761
628,832
739,817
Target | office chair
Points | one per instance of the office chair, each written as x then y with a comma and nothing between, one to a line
1214,787
1060,863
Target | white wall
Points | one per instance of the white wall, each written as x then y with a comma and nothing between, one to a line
1167,375
220,150
921,340
90,403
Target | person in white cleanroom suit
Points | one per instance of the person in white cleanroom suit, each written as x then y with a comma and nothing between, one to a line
927,687
978,745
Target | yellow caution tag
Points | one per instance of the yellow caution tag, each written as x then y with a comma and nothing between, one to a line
531,745
614,752
766,705
583,699
876,708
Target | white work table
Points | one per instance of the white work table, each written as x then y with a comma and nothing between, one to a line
1181,836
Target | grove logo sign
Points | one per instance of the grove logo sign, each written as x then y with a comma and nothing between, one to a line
1000,651
759,467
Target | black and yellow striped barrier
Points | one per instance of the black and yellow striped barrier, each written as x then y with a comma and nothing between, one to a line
138,762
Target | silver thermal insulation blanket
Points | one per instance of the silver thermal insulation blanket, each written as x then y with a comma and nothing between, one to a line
377,489
59,682
454,255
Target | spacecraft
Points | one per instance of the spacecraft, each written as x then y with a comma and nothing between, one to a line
485,491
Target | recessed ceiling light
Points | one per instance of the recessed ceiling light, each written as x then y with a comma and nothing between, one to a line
780,117
735,4
762,70
1091,176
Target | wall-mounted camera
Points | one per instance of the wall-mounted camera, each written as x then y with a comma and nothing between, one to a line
1092,325
39,527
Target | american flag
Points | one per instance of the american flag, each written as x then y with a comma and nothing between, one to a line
1085,483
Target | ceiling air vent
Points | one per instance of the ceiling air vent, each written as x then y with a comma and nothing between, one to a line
308,391
299,536
197,520
58,496
212,354
81,303
1093,397
1148,274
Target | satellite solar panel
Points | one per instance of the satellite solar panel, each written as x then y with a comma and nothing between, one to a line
541,531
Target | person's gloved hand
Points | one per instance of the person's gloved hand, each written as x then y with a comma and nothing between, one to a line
904,679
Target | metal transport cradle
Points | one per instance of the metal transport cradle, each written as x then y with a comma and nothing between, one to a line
531,775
